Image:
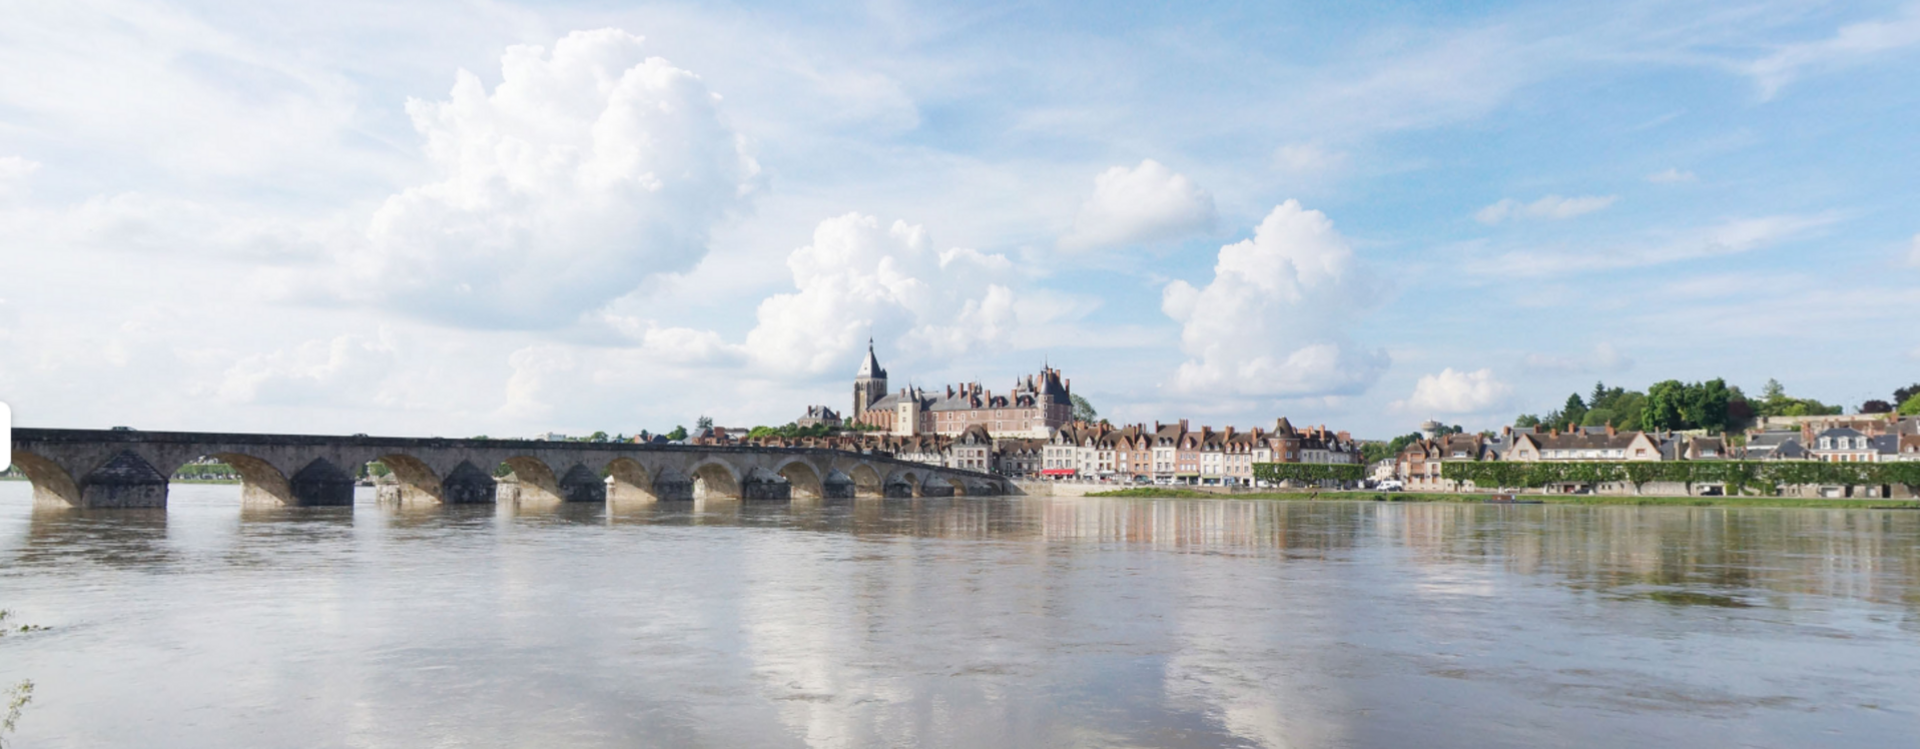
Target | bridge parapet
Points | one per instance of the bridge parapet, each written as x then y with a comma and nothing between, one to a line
120,468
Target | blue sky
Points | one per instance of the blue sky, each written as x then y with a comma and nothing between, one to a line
293,217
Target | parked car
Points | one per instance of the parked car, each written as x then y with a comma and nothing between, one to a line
1390,485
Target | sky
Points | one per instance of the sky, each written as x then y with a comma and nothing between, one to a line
464,218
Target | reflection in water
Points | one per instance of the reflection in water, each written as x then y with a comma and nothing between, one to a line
114,538
961,621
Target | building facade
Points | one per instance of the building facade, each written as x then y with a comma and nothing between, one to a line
1036,407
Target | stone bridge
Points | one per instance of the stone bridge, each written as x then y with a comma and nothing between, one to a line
123,468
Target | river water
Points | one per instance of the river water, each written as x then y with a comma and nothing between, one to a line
978,622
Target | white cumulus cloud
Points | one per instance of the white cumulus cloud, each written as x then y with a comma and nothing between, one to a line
859,278
1551,207
1148,203
1273,321
1452,393
588,169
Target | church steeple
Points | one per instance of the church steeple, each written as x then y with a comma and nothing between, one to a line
871,367
870,385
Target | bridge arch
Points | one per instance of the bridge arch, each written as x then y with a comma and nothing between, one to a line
805,481
628,481
866,481
529,479
715,480
261,484
413,481
903,484
52,484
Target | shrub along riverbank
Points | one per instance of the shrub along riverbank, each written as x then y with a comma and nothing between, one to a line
1555,499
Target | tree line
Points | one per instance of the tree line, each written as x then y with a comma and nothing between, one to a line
1712,405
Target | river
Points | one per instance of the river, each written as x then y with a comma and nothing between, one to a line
976,622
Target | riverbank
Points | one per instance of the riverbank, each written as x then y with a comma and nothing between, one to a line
1553,499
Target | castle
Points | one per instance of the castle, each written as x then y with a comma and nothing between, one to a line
1037,406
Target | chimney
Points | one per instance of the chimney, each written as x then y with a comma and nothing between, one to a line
1183,426
1610,431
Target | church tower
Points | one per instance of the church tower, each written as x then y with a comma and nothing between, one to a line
870,385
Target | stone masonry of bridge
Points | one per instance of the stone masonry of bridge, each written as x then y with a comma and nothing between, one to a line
121,468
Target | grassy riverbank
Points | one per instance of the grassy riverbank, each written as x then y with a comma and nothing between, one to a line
1557,499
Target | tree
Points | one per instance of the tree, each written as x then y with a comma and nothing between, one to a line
1704,405
1598,417
1082,410
703,423
1375,452
1901,395
1739,412
1665,401
597,437
1526,420
1773,391
678,433
1910,406
1574,411
1876,407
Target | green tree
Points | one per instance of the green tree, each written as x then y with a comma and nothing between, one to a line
1526,420
1910,406
678,433
1666,403
1598,417
1082,410
1375,452
1704,405
1573,411
703,423
597,437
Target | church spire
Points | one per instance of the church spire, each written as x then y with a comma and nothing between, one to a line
871,366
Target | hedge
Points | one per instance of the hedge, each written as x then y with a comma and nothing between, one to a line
1314,472
1767,476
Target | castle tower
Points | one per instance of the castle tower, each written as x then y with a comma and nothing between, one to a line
870,385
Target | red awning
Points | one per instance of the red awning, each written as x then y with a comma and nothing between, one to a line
1058,472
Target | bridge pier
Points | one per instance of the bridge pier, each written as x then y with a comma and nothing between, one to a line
125,481
467,485
762,486
580,485
321,484
837,486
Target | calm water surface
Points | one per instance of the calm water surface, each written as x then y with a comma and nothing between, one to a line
965,622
